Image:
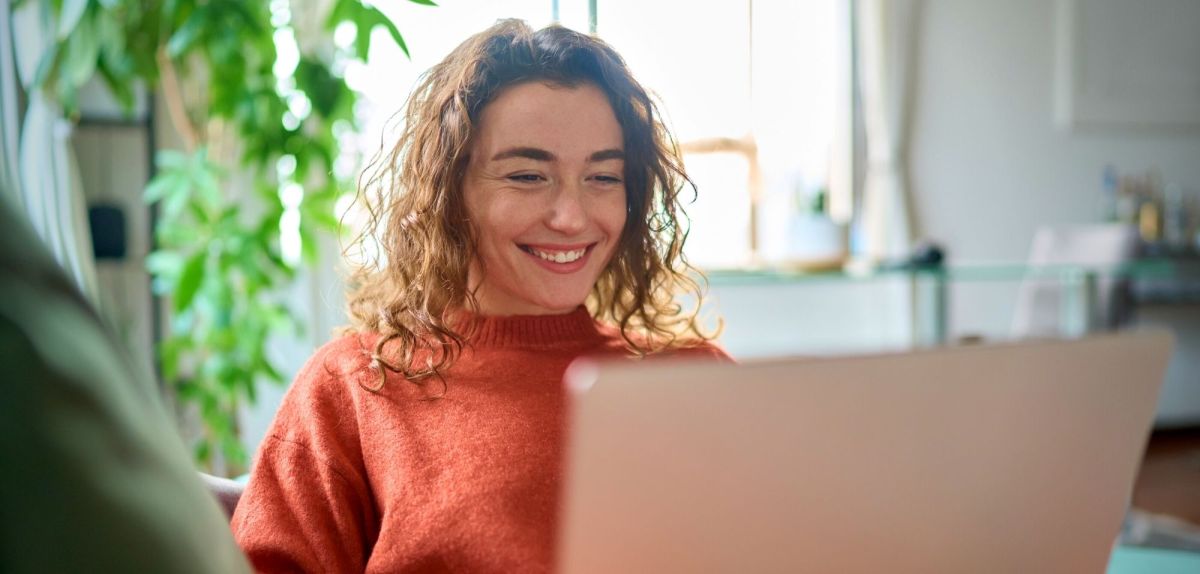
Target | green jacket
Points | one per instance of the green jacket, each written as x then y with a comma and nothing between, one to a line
93,475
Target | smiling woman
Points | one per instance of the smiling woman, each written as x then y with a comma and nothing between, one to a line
490,167
527,216
545,191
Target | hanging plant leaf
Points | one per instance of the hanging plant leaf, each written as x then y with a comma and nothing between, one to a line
189,281
45,70
164,263
367,19
82,51
69,17
320,85
188,34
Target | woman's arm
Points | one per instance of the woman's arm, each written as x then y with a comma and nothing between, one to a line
308,506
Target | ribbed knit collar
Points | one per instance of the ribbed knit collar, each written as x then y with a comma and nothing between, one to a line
576,327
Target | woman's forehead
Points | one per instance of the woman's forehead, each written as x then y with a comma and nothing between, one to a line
565,120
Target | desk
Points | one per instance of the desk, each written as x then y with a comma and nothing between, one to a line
1152,280
1131,560
775,311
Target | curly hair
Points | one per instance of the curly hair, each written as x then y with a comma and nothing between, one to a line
414,281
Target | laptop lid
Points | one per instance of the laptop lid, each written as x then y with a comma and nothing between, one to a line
996,458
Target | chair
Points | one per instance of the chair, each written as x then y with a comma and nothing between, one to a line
1046,306
226,491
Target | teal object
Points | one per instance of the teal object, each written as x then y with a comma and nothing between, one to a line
1132,560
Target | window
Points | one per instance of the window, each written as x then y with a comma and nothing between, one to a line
757,94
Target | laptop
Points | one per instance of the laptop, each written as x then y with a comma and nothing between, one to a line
1014,457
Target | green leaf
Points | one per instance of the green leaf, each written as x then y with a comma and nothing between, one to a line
68,95
203,451
205,180
46,67
233,450
271,373
423,2
109,35
169,351
367,19
188,33
320,85
164,184
169,159
163,262
174,204
394,31
323,218
82,53
119,87
177,234
255,22
68,19
189,281
182,324
343,10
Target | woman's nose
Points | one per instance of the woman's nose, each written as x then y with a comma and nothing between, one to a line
568,211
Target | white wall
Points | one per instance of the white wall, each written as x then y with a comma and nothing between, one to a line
989,165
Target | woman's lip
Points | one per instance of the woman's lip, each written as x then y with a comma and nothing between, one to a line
558,247
561,268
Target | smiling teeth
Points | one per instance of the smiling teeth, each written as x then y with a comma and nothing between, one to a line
559,256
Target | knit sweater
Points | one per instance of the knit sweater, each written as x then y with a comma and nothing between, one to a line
348,480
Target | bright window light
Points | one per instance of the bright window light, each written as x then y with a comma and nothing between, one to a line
750,89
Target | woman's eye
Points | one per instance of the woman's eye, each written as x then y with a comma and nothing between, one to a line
526,178
607,179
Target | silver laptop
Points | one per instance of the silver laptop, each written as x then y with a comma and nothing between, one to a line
998,458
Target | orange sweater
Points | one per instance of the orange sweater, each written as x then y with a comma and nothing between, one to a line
351,481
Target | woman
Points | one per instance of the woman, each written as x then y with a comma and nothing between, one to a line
533,177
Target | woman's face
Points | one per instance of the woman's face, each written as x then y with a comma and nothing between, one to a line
545,192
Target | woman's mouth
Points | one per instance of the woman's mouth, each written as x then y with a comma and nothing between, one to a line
559,259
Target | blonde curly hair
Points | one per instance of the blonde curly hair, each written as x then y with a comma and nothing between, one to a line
414,283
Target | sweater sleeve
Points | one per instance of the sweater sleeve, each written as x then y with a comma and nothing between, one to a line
307,507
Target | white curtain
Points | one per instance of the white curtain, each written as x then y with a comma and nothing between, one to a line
8,107
44,176
886,38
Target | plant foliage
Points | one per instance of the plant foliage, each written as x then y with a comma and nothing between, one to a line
218,252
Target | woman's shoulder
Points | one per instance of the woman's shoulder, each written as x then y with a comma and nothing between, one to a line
336,367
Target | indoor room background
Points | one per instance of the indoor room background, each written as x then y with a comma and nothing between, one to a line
983,113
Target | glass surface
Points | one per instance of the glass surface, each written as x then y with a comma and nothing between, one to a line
1145,269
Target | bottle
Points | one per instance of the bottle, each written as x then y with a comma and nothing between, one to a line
1109,199
1175,218
1149,215
1128,200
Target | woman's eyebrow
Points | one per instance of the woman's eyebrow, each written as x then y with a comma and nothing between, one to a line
533,153
607,154
538,154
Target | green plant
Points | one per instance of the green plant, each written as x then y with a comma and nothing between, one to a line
260,143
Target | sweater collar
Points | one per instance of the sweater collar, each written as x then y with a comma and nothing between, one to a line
576,327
